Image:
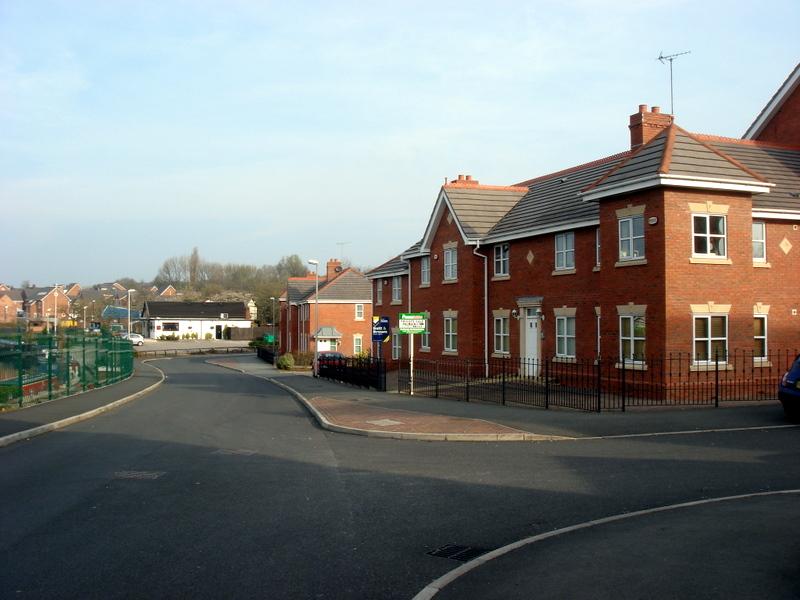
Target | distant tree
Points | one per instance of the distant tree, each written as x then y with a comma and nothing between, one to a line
174,271
291,266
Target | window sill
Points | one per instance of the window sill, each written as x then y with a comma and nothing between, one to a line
696,260
632,366
762,363
359,318
448,281
424,285
449,352
761,265
700,367
501,277
501,355
633,262
426,350
564,359
396,302
596,268
564,272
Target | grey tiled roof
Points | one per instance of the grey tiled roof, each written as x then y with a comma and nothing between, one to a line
393,266
676,152
552,200
349,285
780,166
479,208
193,310
299,289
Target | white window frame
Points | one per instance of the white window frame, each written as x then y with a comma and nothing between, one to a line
501,260
759,241
397,346
709,237
425,339
450,264
451,334
630,356
358,343
397,289
379,292
765,353
359,312
502,337
425,270
597,332
597,247
565,256
709,341
564,337
627,243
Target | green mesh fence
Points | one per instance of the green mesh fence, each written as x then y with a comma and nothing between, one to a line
39,367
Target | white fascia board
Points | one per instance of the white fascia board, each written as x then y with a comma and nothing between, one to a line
773,106
312,302
417,254
703,183
765,213
394,273
544,231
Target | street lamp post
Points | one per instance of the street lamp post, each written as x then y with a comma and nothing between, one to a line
129,310
316,312
272,299
55,311
84,317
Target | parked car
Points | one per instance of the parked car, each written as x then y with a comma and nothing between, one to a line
789,390
135,338
327,361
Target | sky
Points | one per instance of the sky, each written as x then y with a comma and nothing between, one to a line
131,132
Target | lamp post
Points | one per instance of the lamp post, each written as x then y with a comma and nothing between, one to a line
129,310
316,311
272,299
55,311
84,317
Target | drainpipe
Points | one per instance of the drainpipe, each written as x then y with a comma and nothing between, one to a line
485,307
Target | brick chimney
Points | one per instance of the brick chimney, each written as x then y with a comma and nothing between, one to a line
645,125
465,180
334,268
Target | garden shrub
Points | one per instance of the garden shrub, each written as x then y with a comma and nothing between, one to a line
285,362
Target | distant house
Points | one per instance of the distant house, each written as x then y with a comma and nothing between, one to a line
168,292
344,305
47,303
201,318
73,290
8,308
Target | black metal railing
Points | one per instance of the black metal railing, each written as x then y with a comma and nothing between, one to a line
267,354
365,372
602,384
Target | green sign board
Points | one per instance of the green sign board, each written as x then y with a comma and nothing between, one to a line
269,338
412,323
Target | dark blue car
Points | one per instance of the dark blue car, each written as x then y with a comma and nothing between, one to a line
789,390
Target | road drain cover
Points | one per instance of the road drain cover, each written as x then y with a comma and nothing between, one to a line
457,552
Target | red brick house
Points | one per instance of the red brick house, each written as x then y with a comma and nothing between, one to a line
683,243
47,304
345,312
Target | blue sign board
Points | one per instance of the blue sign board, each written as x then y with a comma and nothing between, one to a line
380,329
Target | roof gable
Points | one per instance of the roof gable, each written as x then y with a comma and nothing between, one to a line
789,87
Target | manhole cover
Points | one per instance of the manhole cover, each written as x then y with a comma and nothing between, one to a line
457,552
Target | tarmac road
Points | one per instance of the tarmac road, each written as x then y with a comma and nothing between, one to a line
218,484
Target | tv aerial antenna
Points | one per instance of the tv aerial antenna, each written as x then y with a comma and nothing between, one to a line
341,248
663,59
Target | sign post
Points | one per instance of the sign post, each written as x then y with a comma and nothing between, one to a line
411,323
380,331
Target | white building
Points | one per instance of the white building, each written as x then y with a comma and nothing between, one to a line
199,320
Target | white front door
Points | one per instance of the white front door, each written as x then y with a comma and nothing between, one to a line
324,345
532,335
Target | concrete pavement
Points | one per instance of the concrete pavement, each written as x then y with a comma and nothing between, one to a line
349,409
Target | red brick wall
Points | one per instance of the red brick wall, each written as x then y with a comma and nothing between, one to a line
784,128
8,310
342,317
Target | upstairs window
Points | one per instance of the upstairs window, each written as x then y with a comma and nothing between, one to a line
631,238
501,260
709,233
565,251
397,290
759,242
379,291
450,264
359,312
425,270
597,247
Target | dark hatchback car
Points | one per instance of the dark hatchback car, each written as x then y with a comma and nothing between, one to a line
327,361
789,390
